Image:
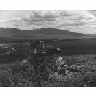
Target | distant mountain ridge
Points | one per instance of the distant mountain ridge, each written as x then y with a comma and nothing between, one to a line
43,33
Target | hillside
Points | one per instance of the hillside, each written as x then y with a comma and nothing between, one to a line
43,33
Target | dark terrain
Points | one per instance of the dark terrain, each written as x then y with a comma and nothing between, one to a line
71,43
69,48
78,50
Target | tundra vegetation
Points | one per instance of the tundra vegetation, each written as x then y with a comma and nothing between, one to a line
80,71
76,71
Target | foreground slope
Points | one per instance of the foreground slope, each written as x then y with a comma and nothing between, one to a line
13,75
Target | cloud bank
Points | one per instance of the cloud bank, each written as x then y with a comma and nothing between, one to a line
83,21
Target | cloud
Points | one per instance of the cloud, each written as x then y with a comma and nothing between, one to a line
36,18
93,12
63,19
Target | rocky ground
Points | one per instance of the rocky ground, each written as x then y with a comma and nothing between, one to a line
79,71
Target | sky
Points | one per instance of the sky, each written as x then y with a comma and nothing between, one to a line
81,21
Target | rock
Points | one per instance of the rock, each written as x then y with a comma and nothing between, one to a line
59,59
23,80
58,68
56,73
67,72
24,61
85,85
53,75
65,65
63,62
49,70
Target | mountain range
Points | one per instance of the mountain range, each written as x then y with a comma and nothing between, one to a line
43,33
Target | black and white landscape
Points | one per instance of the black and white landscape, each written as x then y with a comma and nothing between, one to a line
31,43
